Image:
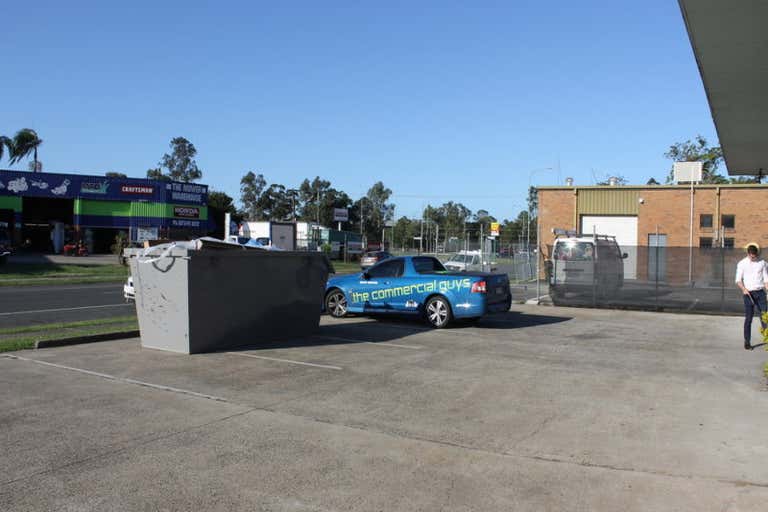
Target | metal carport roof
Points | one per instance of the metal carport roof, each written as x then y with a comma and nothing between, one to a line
730,42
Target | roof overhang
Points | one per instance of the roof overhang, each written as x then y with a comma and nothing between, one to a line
730,42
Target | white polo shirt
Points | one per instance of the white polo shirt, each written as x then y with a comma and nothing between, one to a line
753,273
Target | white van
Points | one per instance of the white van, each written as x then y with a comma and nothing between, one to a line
586,264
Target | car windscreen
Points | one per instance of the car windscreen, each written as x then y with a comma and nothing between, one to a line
458,258
427,265
574,251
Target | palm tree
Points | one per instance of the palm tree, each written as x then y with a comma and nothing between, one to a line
25,142
6,143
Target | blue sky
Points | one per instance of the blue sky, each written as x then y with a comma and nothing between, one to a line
439,100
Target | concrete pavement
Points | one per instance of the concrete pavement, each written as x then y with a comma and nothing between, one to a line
540,409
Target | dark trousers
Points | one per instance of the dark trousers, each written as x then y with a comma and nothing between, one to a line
758,297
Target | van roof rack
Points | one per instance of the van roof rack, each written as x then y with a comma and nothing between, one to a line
570,233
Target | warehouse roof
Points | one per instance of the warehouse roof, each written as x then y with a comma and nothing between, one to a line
652,187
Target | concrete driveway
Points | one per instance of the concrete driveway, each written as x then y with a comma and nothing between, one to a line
541,409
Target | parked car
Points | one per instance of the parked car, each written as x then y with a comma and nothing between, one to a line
418,285
464,261
129,292
5,246
585,263
370,259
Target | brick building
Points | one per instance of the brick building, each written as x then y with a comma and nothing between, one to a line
645,217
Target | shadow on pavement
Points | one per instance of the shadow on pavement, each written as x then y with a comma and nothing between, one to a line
397,328
517,320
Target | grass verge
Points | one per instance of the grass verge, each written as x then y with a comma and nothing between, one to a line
47,274
19,338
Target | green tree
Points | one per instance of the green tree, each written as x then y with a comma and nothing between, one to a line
452,218
533,199
6,144
404,231
157,174
377,211
310,199
274,203
251,187
698,151
221,201
113,174
180,164
25,142
316,200
652,181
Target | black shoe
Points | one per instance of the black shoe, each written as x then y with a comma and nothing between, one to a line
747,345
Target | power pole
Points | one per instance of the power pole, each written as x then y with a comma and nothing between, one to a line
421,238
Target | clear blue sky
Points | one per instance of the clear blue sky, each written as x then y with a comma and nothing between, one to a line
439,100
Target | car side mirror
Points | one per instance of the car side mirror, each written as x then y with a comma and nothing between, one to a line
366,276
624,256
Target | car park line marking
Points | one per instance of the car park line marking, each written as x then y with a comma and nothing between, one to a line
378,344
63,309
326,366
119,379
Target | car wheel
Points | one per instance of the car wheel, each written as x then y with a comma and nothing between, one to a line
336,304
438,312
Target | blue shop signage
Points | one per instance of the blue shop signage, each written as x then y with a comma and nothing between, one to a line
71,186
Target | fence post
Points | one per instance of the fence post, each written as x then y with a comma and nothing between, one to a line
656,267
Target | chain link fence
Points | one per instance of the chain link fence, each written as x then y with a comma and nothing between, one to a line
692,279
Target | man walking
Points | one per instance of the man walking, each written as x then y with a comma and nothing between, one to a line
752,279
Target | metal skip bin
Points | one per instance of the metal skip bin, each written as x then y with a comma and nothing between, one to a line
221,296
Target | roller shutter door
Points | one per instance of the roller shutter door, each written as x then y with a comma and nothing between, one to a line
624,228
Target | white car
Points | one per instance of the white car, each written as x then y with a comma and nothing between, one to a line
128,290
464,261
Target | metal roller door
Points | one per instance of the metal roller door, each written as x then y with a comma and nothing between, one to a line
624,228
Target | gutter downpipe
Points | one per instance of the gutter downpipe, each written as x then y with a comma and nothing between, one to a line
690,243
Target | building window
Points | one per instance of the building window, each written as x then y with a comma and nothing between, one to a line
728,242
729,221
705,243
705,220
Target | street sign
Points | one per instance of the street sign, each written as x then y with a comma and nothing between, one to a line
340,214
143,234
495,228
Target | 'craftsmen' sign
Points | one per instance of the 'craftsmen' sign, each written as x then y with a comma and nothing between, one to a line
187,212
139,190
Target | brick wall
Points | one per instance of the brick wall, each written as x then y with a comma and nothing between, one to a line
668,209
556,210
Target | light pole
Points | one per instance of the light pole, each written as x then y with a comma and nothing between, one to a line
362,221
538,233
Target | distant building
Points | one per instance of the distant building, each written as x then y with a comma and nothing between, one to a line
42,211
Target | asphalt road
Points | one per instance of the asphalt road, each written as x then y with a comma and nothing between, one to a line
541,409
31,305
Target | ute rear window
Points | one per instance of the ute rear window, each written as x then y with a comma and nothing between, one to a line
427,265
